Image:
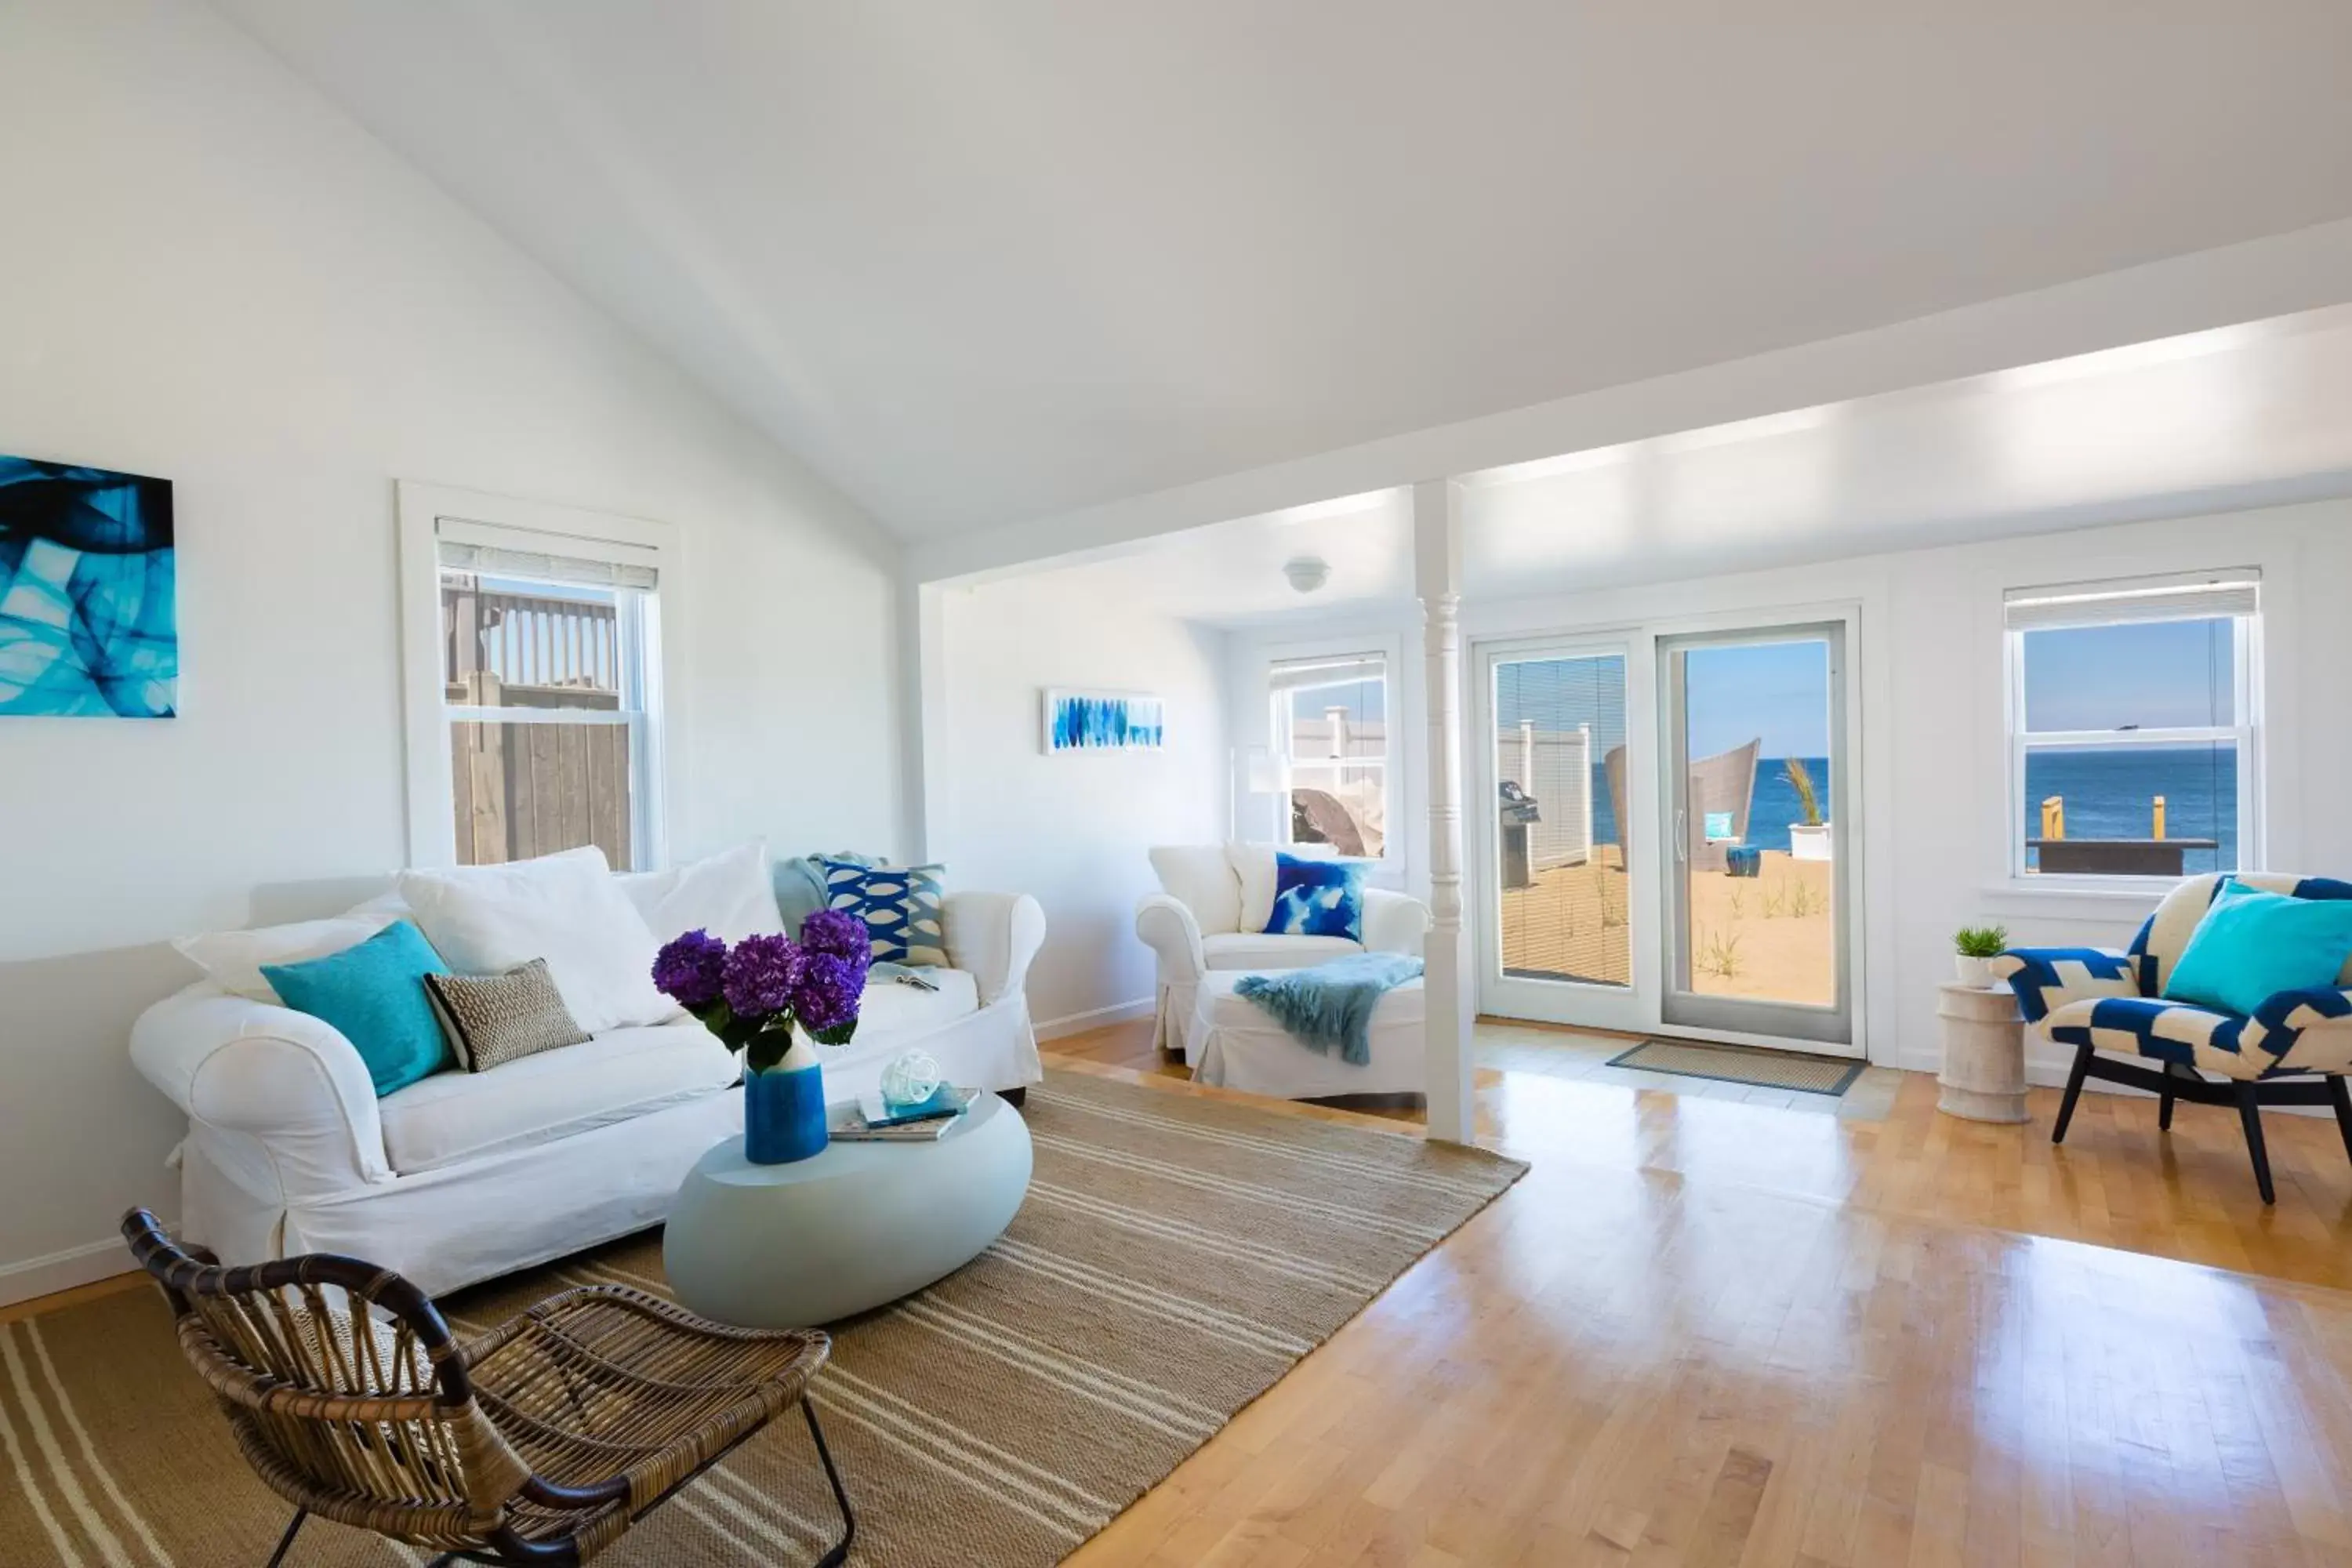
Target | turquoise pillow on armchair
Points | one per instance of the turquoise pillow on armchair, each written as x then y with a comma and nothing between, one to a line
2251,945
375,996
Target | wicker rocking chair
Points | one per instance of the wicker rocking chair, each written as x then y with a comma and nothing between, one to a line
542,1441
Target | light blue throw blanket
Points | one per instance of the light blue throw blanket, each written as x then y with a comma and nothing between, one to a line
1330,1006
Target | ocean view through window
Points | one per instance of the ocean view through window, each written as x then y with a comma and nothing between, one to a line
2134,740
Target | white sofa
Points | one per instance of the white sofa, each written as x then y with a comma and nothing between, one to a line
464,1176
1210,914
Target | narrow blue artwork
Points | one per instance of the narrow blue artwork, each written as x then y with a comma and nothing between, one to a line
1102,722
86,623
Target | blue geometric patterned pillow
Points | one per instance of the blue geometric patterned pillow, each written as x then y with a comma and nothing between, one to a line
899,904
1317,898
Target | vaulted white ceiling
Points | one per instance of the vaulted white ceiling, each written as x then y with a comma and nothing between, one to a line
979,263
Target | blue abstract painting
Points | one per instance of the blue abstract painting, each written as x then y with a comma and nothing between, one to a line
1102,722
87,625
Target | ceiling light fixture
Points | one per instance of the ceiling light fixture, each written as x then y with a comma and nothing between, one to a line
1307,572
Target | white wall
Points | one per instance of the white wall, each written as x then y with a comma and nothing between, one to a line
1072,830
212,277
1933,745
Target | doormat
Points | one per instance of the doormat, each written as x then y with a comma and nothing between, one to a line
1761,1066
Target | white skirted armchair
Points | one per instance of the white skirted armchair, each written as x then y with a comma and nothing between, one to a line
1212,912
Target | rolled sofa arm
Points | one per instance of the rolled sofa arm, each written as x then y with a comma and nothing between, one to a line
1395,922
1167,927
288,1082
994,937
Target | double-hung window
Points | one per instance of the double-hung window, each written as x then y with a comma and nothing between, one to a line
1331,735
2133,725
545,706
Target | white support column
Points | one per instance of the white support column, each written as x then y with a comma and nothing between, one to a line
1450,983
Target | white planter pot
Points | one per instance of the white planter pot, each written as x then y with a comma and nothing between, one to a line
1976,972
1809,841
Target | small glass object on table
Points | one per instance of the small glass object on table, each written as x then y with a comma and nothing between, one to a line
912,1078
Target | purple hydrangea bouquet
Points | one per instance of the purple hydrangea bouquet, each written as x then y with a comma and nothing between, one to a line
752,996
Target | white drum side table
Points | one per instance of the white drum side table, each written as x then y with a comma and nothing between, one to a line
791,1247
1984,1053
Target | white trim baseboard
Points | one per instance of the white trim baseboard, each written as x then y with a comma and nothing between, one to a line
54,1272
1093,1018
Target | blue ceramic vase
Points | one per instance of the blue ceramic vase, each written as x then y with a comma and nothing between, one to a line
784,1108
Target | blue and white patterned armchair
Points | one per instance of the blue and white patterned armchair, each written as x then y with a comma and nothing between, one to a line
2099,1000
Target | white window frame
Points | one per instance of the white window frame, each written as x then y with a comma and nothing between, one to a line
1279,720
427,514
2245,735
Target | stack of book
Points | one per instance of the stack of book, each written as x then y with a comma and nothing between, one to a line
924,1121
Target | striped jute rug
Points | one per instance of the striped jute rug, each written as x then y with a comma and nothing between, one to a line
1176,1256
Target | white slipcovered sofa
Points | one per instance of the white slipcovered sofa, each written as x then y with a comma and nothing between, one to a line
466,1175
1210,914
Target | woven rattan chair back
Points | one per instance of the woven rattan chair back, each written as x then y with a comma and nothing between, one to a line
344,1387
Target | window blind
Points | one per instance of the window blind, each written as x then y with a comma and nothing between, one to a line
2178,596
1295,675
544,566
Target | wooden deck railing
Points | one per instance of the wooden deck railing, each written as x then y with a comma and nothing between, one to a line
533,787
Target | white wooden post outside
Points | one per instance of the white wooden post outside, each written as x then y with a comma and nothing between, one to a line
1450,991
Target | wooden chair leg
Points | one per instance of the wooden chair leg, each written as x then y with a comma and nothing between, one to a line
2073,1093
2342,1102
2250,1111
2163,1106
840,1550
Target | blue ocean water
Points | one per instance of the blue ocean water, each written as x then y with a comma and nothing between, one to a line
2108,794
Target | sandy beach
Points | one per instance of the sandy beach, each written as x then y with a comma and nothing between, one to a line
1771,936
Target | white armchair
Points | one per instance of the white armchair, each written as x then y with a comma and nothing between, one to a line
1211,912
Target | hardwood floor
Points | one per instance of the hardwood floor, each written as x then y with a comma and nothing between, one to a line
1707,1332
1710,1333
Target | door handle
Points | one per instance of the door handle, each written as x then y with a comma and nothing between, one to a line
1681,836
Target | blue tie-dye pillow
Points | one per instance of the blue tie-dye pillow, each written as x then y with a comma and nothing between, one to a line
1317,898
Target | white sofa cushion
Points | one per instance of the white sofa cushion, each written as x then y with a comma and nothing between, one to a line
1252,950
233,959
892,1016
1254,868
1201,878
565,909
455,1116
731,895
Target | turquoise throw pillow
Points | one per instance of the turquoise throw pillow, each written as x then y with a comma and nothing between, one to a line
1317,898
904,909
2251,945
374,994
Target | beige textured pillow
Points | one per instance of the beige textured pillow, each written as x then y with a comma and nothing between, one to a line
492,1020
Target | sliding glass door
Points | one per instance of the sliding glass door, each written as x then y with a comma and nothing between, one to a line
1755,790
1663,826
1553,830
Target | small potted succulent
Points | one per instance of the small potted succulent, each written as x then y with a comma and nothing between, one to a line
769,997
1976,947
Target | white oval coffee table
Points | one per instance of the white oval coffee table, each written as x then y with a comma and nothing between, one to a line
791,1247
